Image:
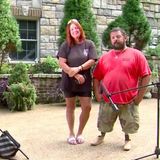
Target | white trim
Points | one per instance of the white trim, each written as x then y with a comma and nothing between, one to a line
26,62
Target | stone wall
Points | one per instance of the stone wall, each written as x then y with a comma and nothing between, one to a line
47,87
104,10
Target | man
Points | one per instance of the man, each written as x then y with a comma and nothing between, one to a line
120,69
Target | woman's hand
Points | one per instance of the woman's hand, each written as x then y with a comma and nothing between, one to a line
73,71
80,78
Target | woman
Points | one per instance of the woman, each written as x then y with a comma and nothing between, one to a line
76,57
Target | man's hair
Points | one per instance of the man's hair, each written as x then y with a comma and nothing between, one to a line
119,29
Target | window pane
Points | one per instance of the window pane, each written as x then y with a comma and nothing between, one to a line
22,24
32,25
31,45
31,50
24,45
31,55
31,35
28,34
21,55
13,56
23,34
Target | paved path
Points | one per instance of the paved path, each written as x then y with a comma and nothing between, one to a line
42,134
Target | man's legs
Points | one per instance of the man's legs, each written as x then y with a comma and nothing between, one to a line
129,119
99,140
127,145
106,120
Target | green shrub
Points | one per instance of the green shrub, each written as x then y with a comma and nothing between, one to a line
6,68
134,22
19,74
20,96
9,31
153,51
49,65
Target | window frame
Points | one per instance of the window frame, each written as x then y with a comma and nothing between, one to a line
38,42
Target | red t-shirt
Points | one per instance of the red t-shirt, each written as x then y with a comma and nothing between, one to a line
121,71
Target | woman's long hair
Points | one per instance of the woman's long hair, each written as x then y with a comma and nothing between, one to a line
70,40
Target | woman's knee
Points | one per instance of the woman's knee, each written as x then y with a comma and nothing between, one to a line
70,108
86,108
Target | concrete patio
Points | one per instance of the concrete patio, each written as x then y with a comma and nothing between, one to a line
42,133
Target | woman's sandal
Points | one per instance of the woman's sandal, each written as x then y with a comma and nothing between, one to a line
72,140
79,139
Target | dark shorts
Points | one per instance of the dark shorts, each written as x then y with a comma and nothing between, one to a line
128,117
74,94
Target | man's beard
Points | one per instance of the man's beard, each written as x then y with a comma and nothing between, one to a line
118,46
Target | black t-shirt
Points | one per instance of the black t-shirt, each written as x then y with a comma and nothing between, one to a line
76,56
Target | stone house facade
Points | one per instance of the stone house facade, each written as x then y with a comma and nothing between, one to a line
39,22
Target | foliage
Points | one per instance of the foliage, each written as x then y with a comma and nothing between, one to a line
153,51
49,65
3,88
21,94
134,22
154,68
20,97
6,68
155,73
120,22
9,32
19,74
80,10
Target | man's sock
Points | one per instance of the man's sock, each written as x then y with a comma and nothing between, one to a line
103,134
127,137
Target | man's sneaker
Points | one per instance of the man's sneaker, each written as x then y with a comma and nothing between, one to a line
98,141
127,146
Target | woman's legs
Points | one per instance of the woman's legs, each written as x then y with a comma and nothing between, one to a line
85,112
70,108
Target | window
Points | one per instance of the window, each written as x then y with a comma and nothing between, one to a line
28,35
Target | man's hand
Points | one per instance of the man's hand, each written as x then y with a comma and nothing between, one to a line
98,97
137,101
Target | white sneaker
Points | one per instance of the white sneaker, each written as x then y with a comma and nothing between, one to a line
98,141
127,146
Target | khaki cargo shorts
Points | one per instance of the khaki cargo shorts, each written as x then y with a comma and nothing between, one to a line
128,117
